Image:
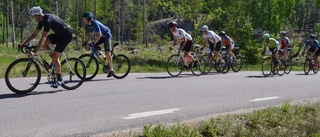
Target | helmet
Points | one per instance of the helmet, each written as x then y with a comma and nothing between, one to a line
35,11
172,24
283,33
312,36
87,15
222,33
266,36
204,28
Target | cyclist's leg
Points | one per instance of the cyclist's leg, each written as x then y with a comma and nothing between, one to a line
187,49
316,62
217,49
107,48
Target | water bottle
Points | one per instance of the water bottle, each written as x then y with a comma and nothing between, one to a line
103,58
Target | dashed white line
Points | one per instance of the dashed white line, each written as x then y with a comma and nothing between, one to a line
151,113
262,99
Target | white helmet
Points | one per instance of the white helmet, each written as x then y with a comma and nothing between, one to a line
204,28
35,11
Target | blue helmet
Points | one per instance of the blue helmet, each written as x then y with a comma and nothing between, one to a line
87,15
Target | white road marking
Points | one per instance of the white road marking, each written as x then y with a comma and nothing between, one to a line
262,99
151,113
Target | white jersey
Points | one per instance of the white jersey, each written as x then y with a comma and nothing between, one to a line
211,35
181,35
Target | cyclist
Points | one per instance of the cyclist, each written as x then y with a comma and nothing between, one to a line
313,49
62,36
214,41
284,42
182,36
228,42
273,46
103,35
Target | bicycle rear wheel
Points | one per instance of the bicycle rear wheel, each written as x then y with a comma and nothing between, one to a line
280,69
225,67
236,63
206,64
22,76
73,73
288,65
121,66
195,69
266,67
175,65
315,70
306,66
91,64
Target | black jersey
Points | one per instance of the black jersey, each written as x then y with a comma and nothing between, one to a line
56,24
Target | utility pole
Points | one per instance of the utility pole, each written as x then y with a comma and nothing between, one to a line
145,37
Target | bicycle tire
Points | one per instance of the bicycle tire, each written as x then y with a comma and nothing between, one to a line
236,63
280,69
174,65
288,66
91,64
315,70
306,66
266,67
121,66
29,78
206,64
78,70
225,67
195,69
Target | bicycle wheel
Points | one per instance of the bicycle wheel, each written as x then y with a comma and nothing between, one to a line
195,69
73,73
91,64
22,76
288,65
225,67
266,67
280,69
175,65
236,63
306,66
315,70
205,64
121,66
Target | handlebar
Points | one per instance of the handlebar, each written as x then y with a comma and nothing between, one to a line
26,48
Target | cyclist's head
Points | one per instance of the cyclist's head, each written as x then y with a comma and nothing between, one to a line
204,28
172,24
87,15
222,33
312,36
283,33
266,36
36,10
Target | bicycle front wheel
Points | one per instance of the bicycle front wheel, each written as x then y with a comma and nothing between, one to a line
175,65
73,73
195,69
22,76
91,64
266,67
236,63
288,65
121,66
306,66
206,64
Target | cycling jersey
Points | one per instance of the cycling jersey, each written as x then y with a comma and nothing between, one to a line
97,26
181,35
226,40
54,23
313,45
271,44
283,41
210,35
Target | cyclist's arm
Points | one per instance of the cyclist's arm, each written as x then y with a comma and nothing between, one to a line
31,37
98,36
42,40
89,37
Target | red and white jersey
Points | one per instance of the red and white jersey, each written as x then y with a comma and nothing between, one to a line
210,35
181,35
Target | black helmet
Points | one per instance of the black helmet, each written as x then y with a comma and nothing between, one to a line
312,36
222,33
172,24
87,15
283,33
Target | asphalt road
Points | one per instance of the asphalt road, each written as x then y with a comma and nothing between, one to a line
105,105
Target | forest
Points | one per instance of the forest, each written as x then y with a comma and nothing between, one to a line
144,22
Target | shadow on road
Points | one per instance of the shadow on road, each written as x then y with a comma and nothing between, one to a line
166,77
260,76
13,95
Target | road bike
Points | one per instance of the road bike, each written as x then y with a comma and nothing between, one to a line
121,63
23,75
309,64
270,65
176,64
209,60
235,62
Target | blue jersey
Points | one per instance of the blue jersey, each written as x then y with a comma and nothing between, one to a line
313,45
97,26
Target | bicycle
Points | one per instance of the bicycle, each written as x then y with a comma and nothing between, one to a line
209,60
23,75
309,64
288,62
271,66
235,62
176,64
121,63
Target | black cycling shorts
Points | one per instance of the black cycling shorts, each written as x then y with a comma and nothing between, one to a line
187,47
107,43
60,41
218,46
